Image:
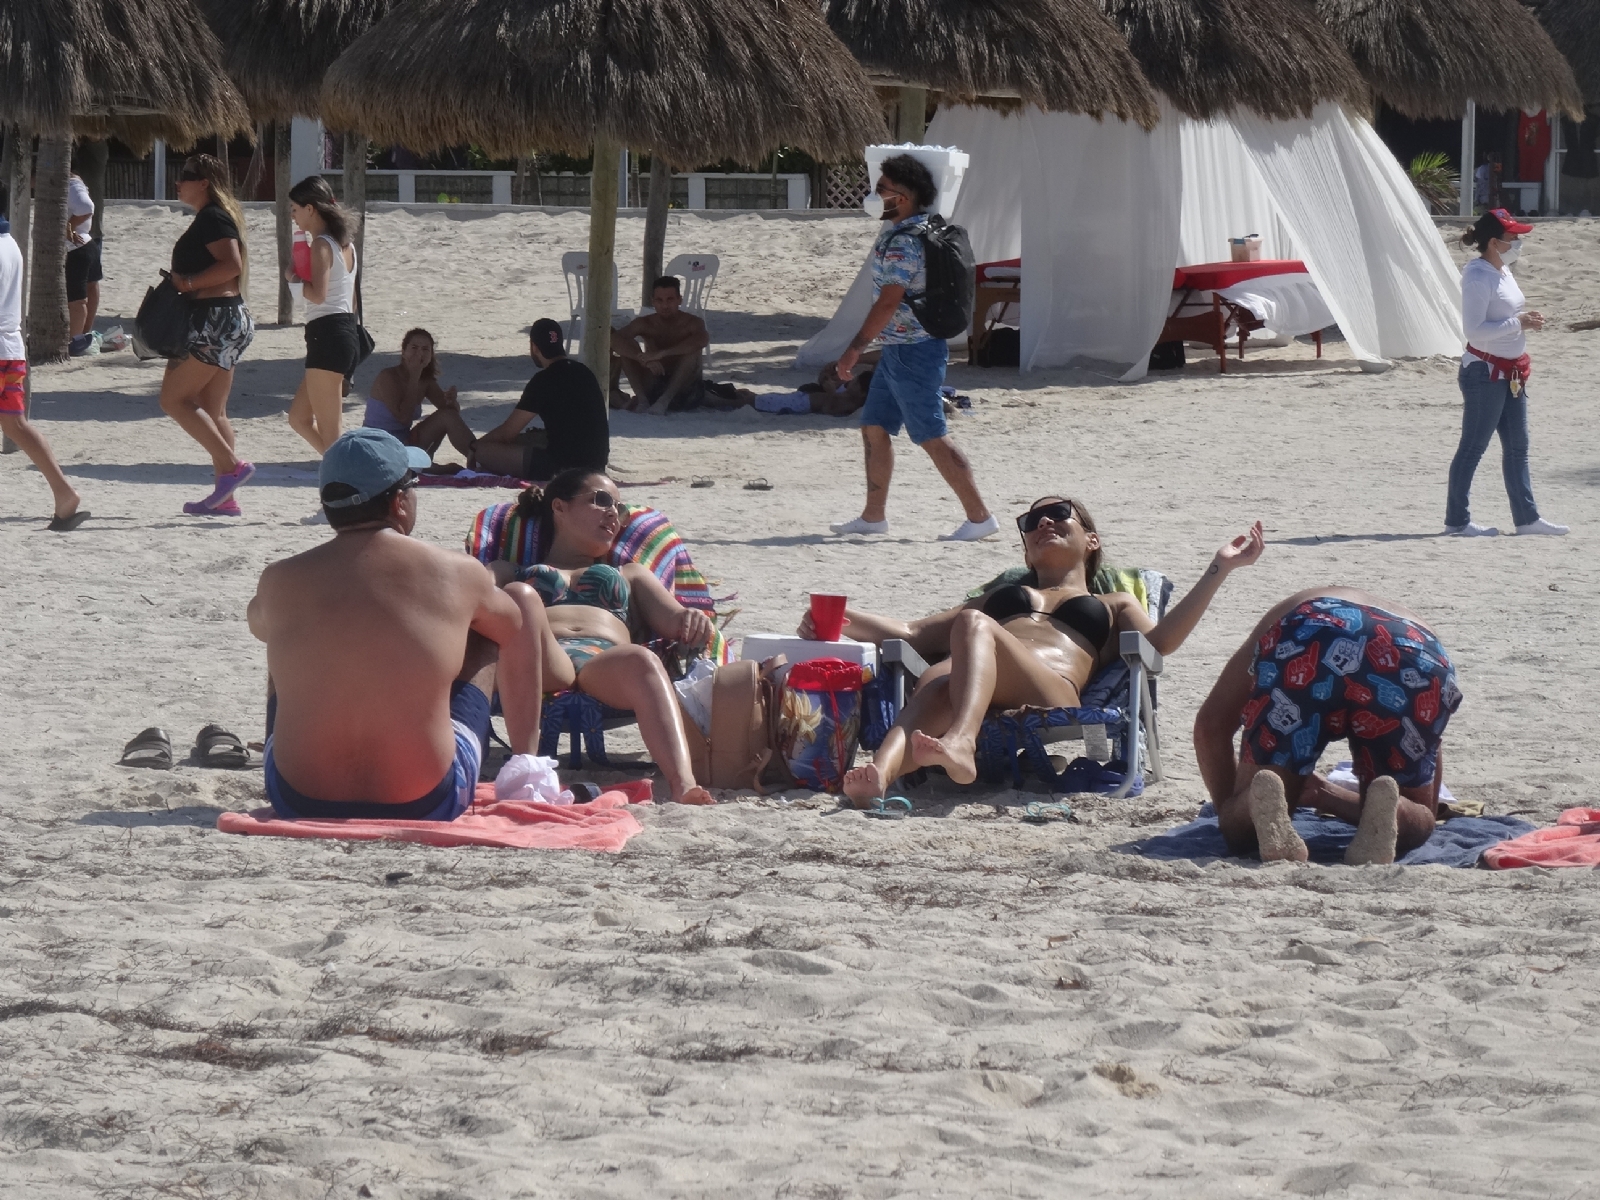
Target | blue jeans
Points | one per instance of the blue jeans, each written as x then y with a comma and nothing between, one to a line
905,390
1489,408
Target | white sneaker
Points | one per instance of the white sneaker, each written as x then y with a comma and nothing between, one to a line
973,531
1549,528
857,525
1471,530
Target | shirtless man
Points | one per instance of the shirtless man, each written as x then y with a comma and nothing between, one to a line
1329,663
670,359
383,652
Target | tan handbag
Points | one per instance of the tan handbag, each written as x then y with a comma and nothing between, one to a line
738,749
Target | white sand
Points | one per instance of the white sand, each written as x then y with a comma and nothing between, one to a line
769,999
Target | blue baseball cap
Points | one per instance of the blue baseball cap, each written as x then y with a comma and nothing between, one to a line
369,460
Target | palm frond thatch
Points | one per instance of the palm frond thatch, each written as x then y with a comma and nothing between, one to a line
277,51
1574,27
1427,59
1210,56
136,69
1061,55
691,80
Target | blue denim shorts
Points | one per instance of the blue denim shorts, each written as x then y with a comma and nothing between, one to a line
905,390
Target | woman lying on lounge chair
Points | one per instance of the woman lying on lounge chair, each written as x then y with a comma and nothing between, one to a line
589,603
1015,644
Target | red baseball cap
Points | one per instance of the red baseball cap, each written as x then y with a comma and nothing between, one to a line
1509,223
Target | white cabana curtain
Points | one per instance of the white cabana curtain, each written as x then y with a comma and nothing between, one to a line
1224,196
1363,232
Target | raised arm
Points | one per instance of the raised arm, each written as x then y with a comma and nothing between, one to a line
661,612
927,635
1167,634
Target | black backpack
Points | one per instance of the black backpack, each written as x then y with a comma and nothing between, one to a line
944,310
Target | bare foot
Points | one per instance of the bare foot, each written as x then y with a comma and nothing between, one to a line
620,398
659,408
1269,810
1375,836
63,511
956,757
863,785
696,795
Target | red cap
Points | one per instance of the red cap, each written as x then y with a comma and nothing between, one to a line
1509,223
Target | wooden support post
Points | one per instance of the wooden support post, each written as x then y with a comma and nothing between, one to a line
281,183
655,223
912,120
598,298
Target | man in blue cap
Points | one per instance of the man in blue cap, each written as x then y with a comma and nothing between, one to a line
383,652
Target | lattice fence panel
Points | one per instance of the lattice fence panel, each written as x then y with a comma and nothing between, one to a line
847,184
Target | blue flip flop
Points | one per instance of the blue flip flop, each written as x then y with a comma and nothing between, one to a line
889,808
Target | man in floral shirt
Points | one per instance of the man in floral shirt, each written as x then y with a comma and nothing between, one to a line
905,387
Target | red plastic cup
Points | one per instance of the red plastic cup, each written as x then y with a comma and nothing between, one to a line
827,616
300,259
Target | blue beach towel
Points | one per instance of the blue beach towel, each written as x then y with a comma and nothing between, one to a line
1458,842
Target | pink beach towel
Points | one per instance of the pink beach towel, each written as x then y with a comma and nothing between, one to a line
1573,841
603,824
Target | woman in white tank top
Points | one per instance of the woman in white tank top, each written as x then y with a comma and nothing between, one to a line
333,346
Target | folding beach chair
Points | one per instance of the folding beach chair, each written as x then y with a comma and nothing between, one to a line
647,537
575,267
1120,700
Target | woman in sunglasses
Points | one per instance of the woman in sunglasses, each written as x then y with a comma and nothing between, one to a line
1035,642
210,266
591,605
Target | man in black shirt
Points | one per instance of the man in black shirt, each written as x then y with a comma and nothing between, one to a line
565,395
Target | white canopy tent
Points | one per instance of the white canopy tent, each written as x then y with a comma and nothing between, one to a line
1101,212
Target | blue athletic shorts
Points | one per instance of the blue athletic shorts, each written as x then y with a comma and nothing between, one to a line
905,390
1335,669
469,714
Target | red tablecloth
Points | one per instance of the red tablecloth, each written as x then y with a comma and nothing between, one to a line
1211,277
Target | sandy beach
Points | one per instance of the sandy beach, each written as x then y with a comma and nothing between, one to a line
773,997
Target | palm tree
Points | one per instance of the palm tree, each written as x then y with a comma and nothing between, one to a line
48,326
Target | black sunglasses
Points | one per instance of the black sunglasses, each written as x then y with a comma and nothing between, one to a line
1059,512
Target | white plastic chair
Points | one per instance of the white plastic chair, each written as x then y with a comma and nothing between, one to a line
575,266
698,272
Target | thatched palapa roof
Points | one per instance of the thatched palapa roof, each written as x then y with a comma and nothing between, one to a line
691,80
1210,56
1574,27
1061,55
136,69
1427,58
277,51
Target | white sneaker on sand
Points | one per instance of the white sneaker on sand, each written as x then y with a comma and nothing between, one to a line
1548,528
973,531
1471,530
857,525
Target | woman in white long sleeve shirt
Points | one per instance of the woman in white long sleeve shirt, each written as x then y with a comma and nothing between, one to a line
1493,378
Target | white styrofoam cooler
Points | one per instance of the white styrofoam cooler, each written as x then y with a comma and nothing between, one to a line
762,646
947,165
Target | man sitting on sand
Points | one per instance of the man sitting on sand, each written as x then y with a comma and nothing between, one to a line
565,395
1325,664
668,364
383,652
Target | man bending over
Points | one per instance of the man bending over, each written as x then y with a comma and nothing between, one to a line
669,362
1325,664
383,652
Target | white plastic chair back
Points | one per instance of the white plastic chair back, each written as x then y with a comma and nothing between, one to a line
575,266
698,272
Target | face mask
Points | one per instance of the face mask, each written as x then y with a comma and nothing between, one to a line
1507,257
872,205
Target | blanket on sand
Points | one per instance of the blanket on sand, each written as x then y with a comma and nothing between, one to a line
1574,841
602,824
1455,843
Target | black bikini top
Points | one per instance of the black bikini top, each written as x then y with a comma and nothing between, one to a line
1086,615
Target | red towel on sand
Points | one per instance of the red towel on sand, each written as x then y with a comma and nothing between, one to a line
1573,841
603,824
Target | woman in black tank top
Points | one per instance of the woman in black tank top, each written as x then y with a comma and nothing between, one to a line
1032,639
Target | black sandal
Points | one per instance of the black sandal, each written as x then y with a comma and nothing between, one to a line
152,748
215,746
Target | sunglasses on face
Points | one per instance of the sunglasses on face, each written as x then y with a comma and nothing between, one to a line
603,499
1058,513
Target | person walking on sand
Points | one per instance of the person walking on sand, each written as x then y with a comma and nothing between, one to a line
905,387
69,513
1494,378
210,265
333,346
83,267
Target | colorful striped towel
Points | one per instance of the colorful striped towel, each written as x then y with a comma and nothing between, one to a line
647,537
